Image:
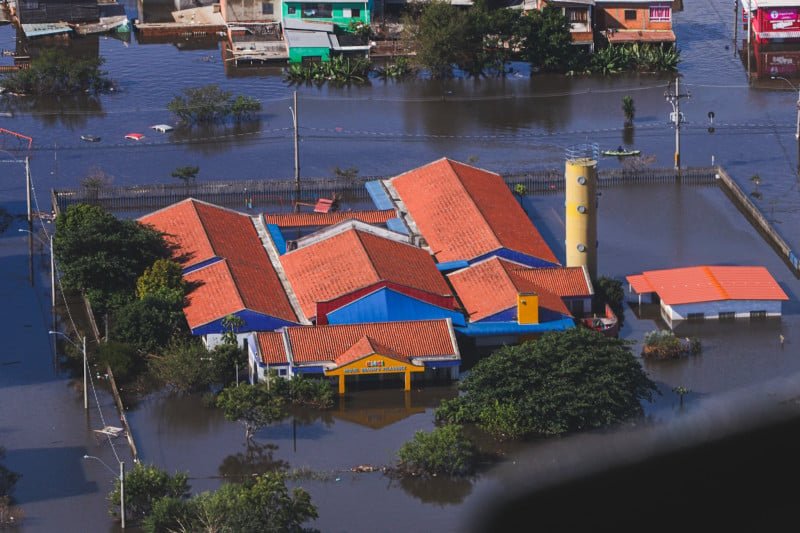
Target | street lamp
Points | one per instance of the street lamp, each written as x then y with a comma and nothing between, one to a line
293,111
792,85
52,265
121,484
85,364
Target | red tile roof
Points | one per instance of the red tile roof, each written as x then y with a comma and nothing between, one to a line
299,220
310,344
709,283
367,346
203,231
213,294
270,344
563,281
491,286
352,259
465,212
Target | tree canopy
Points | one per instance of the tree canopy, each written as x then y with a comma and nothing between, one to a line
210,103
102,255
163,279
444,450
563,382
145,485
149,324
55,72
252,405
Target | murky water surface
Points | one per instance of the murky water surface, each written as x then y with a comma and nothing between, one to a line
507,124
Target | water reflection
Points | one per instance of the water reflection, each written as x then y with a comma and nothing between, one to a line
256,459
439,491
209,139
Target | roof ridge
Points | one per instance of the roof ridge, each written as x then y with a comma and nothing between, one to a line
205,229
369,255
235,282
715,282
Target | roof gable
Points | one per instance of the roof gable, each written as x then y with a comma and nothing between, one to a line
350,260
298,220
464,212
491,286
184,231
364,347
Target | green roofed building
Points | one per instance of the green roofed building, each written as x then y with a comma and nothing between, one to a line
339,12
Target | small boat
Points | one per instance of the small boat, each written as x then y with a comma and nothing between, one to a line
608,325
621,153
90,138
134,136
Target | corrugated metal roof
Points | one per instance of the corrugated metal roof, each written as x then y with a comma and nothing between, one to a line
353,259
397,225
465,212
418,338
491,286
307,39
711,283
299,220
378,194
202,231
45,28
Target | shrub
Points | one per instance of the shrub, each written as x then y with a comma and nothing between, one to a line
663,344
445,450
144,486
124,359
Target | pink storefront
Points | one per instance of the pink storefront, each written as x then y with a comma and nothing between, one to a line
774,21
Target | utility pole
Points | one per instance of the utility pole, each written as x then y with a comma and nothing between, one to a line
735,26
85,371
28,188
122,493
676,117
749,31
295,119
52,273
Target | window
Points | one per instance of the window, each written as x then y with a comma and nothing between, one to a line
317,11
660,14
577,15
727,315
266,8
355,13
695,316
282,372
758,314
291,10
346,13
630,14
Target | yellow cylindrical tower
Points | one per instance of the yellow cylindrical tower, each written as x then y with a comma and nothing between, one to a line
581,211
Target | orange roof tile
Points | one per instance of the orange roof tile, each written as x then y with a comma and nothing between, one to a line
202,231
270,344
563,281
299,220
418,338
678,286
184,230
354,259
465,212
491,286
212,295
367,346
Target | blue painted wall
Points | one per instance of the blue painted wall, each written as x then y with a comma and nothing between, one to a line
252,322
510,315
518,257
277,237
201,264
386,305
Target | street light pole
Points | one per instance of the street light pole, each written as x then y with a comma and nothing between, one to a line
52,267
121,484
85,366
792,85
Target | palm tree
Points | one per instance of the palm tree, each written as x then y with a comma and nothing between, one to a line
629,109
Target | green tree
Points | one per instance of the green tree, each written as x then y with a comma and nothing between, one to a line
124,359
171,514
628,109
255,506
149,324
55,72
225,359
187,174
185,366
145,485
300,390
546,41
563,382
252,405
445,450
102,255
440,35
7,478
231,324
210,103
163,279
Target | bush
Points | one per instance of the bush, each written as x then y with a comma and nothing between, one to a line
55,72
144,486
124,359
149,324
444,450
663,344
211,104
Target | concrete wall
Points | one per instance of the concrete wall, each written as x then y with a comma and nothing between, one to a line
250,10
612,16
337,12
296,54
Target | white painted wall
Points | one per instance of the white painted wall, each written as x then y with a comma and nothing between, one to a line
711,310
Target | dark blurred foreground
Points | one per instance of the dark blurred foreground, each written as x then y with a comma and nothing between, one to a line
731,463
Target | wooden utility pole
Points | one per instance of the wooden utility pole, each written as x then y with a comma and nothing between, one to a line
28,188
736,24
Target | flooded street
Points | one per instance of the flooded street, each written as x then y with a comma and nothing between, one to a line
517,123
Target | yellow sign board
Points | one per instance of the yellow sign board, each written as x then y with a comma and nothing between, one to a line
374,364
